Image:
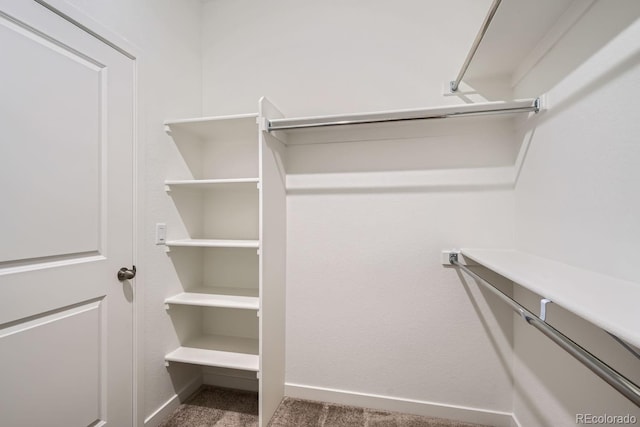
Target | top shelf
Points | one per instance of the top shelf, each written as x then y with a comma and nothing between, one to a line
520,33
605,301
409,115
214,126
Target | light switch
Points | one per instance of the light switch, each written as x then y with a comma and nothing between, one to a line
161,234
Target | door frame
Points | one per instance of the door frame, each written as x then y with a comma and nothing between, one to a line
88,24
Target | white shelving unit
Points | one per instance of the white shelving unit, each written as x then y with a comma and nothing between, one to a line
605,301
228,187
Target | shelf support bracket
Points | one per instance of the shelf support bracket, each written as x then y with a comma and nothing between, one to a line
263,124
543,308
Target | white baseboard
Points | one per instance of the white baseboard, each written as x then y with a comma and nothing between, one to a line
409,406
172,404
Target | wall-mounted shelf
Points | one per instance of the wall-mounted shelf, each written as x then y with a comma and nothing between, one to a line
486,108
213,243
607,302
515,35
210,183
218,127
246,299
218,351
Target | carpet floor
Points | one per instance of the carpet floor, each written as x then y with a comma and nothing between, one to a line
220,407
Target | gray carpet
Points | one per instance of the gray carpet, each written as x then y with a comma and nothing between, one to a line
220,407
296,412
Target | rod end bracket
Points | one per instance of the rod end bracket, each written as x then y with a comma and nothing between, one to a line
543,308
449,256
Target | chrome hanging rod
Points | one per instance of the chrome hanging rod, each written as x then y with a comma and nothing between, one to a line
615,379
530,105
483,30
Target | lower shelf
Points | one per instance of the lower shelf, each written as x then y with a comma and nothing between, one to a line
605,301
218,297
214,243
218,351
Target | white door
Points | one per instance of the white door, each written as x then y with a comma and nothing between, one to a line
66,223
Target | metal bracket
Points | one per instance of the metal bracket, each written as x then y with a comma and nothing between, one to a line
543,308
453,257
263,124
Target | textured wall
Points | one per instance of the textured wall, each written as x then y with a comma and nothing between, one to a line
369,307
577,202
316,57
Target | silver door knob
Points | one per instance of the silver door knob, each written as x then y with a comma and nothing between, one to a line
125,274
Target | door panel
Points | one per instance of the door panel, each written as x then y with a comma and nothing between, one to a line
59,354
66,223
36,130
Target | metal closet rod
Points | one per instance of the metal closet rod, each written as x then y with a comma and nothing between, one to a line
483,30
525,106
618,381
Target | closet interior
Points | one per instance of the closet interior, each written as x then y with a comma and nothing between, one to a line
230,187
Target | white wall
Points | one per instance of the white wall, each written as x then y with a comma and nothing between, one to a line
167,36
370,310
314,57
577,202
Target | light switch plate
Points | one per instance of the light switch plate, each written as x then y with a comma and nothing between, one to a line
161,233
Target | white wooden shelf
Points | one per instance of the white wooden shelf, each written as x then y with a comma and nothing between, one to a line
246,299
216,126
519,35
211,183
218,351
213,243
607,302
377,119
